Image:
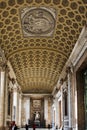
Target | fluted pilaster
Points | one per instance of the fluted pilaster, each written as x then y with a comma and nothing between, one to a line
6,95
2,93
14,105
46,110
69,72
19,109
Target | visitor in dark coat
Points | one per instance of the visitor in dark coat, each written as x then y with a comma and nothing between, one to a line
26,127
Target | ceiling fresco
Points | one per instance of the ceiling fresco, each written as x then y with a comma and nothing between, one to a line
38,36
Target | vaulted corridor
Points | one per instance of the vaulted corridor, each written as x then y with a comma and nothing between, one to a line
43,64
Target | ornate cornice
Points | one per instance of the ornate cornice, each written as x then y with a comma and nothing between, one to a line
7,68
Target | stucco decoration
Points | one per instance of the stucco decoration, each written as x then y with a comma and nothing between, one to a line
38,21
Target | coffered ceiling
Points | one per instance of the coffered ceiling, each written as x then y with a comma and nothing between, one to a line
38,37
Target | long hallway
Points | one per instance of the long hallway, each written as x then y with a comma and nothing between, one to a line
43,64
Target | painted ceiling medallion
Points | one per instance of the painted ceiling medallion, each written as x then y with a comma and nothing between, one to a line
38,21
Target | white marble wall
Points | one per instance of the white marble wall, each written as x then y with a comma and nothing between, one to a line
25,110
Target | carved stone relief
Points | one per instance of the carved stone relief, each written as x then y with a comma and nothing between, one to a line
38,21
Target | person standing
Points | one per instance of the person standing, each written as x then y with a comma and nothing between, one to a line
26,127
49,126
34,126
15,127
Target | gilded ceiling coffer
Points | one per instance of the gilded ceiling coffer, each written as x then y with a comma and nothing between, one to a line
38,55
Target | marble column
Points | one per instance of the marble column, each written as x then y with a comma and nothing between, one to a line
2,89
20,107
46,110
14,105
62,105
56,115
27,111
29,108
53,120
6,95
69,97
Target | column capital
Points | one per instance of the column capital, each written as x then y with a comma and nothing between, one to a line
19,90
65,90
3,66
15,88
61,81
20,95
13,81
7,68
70,69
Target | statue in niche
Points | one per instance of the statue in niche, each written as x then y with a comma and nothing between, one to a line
37,116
